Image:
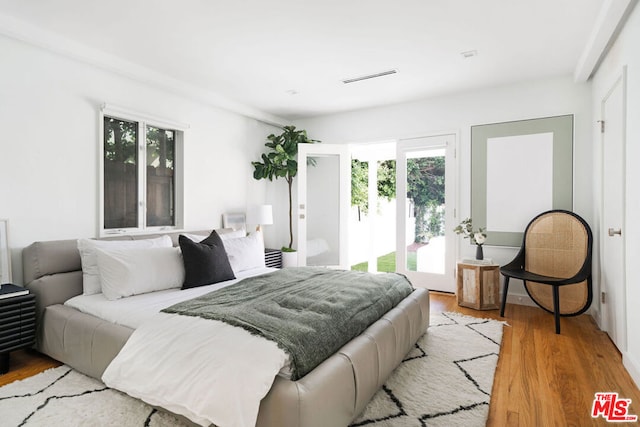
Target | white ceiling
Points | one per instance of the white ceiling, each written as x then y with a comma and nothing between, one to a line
288,57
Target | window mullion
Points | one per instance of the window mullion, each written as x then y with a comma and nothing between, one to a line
142,176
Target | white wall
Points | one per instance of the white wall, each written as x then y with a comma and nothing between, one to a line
49,148
457,113
625,52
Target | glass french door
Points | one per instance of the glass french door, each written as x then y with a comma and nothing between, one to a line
425,188
324,193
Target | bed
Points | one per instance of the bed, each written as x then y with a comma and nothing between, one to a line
333,393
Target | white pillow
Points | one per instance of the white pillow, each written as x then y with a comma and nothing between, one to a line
195,237
224,233
88,247
245,253
126,272
235,234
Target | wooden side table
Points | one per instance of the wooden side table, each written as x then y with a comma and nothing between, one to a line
17,326
478,285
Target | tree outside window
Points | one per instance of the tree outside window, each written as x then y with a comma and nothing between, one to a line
135,197
425,190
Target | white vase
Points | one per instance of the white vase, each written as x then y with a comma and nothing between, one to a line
289,259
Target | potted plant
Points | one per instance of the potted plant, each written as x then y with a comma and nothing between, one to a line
281,162
477,237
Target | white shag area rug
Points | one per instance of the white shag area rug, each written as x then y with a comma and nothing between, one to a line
445,380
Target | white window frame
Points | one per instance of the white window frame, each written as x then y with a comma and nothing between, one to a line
143,121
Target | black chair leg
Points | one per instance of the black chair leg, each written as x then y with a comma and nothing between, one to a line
556,307
504,295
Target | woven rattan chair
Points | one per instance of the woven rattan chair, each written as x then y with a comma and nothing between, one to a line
554,263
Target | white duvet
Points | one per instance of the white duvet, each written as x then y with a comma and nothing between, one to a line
206,370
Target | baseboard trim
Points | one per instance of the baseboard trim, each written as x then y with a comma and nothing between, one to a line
632,366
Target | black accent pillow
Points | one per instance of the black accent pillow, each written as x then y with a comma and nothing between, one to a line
205,262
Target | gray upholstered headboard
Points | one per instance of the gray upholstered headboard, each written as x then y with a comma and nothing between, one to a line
53,271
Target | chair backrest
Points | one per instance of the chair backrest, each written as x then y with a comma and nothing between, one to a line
559,244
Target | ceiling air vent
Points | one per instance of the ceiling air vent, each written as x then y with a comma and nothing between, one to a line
370,76
469,54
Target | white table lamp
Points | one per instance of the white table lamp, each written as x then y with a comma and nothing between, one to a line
260,215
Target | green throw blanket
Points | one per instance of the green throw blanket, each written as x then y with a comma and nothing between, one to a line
309,312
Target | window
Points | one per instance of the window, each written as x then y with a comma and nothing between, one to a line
141,187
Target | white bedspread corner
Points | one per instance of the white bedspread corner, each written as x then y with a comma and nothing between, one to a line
206,370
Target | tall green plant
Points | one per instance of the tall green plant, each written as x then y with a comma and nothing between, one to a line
281,162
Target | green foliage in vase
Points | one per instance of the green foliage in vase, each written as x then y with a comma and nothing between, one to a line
465,228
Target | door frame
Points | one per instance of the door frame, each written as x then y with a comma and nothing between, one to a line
452,179
620,79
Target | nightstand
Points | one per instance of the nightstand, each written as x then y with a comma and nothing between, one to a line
273,258
17,325
478,285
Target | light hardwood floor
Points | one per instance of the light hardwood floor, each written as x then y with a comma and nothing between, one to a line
542,379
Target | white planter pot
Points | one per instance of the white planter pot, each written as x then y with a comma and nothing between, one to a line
289,259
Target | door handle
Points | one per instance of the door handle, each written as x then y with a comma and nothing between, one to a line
613,232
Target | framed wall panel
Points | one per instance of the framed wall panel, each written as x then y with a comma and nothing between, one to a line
518,170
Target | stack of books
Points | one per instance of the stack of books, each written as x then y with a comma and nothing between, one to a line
273,258
8,290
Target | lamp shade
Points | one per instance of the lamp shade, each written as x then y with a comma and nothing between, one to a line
260,215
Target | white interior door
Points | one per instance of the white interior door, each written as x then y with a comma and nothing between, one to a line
613,235
324,198
425,240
